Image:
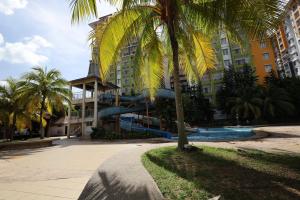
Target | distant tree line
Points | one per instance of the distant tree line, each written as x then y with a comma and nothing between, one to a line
277,100
32,101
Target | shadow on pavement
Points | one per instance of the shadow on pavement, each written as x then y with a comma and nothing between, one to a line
110,187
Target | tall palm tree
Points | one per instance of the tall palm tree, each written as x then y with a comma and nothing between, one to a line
12,105
45,89
179,29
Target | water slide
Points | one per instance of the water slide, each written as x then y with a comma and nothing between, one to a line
131,126
117,110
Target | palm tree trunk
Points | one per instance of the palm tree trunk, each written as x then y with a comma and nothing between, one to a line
182,138
13,126
42,133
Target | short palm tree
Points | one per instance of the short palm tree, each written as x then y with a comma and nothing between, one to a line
247,105
12,106
276,102
178,29
44,89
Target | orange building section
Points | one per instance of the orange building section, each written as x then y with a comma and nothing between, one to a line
283,43
263,58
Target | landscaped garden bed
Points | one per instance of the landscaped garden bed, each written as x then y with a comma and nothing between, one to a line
25,144
233,174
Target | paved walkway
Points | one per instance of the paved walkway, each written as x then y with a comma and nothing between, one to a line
61,172
58,172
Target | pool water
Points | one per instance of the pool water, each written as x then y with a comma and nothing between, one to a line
215,134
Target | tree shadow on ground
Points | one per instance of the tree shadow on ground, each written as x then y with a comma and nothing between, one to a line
218,174
283,135
111,187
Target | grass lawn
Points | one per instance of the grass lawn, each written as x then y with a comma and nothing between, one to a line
235,175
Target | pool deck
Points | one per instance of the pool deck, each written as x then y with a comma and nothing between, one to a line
281,139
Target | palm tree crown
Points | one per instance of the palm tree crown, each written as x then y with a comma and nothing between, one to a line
178,29
45,89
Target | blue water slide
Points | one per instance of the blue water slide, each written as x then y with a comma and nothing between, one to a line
162,93
130,126
118,110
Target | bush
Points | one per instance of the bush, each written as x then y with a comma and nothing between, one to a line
98,133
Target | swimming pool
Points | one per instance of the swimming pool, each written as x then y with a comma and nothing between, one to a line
219,134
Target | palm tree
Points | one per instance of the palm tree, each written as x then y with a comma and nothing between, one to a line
247,104
12,105
276,102
179,29
45,89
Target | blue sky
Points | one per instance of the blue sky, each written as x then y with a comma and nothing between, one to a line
39,32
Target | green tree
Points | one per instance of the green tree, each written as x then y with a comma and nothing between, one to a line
12,106
197,108
180,29
276,102
45,89
235,83
247,104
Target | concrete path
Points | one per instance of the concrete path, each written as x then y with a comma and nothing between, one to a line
58,172
123,177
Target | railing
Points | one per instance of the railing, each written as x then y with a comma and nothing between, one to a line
79,95
89,113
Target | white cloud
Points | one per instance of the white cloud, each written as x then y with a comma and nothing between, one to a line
1,38
8,6
26,51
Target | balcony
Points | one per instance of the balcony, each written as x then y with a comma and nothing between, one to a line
78,97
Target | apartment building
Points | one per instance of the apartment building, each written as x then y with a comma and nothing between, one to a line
122,73
286,42
258,54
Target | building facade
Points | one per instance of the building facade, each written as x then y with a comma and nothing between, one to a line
258,54
122,73
286,42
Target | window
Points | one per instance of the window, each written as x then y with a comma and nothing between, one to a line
263,45
226,62
240,61
266,56
268,68
225,52
298,22
118,81
291,41
281,46
205,90
223,41
237,51
287,35
296,14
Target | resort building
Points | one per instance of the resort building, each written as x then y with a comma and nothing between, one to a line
258,54
122,74
286,42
